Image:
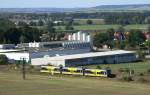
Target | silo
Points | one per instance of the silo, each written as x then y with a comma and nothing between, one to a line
74,36
79,36
84,37
69,37
88,38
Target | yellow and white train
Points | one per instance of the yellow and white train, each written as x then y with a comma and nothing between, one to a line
76,71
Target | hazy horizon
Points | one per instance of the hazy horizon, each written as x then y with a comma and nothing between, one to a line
66,3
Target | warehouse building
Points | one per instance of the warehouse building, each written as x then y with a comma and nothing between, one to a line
109,57
31,50
7,46
15,55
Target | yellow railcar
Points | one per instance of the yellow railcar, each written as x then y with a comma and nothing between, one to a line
76,71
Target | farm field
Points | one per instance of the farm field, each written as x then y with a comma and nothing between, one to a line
12,84
104,27
94,21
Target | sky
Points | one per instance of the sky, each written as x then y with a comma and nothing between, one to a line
65,3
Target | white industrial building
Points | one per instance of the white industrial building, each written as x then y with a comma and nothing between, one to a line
109,57
7,46
72,59
15,54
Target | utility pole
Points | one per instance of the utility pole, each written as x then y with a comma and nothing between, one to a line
61,69
23,69
83,71
130,73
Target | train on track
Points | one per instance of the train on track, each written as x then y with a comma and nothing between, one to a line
76,71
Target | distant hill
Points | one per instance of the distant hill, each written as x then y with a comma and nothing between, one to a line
37,10
92,9
124,7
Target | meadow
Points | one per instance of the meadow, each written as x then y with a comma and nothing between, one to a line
138,67
11,83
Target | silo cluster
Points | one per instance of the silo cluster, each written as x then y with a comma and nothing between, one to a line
79,36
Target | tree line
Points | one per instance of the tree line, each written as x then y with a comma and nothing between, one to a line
123,18
11,34
120,38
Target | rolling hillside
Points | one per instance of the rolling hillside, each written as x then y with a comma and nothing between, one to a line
91,9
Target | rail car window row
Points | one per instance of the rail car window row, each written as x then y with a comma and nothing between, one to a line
102,72
78,71
56,69
88,72
44,69
65,70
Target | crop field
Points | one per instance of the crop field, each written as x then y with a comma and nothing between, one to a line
11,83
104,27
94,21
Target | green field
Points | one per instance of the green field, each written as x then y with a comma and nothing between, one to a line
104,27
138,67
84,21
12,84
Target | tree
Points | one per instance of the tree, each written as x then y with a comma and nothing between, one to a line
22,39
149,28
29,34
89,22
3,59
100,39
6,24
136,37
121,29
50,27
21,23
32,23
69,27
12,36
111,32
40,23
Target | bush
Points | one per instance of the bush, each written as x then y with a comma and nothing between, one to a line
141,74
89,22
142,80
124,70
108,68
3,60
98,67
127,78
148,71
120,70
31,68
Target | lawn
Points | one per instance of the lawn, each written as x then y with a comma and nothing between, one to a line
12,84
104,27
